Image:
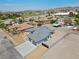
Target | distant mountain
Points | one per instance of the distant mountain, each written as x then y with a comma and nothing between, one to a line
65,9
54,10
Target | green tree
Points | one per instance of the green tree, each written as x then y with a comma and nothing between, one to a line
21,20
77,21
2,25
77,18
53,21
77,15
48,13
71,14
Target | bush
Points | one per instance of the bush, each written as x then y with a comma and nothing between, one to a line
52,21
76,21
2,25
71,14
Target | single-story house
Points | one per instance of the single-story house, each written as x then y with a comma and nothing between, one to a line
63,14
43,20
9,22
39,35
21,27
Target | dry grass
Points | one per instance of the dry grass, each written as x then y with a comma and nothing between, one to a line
37,53
19,38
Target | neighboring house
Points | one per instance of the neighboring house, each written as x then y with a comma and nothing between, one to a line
39,35
18,28
61,14
64,19
43,20
23,26
9,22
40,20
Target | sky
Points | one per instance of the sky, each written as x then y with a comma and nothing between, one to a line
18,5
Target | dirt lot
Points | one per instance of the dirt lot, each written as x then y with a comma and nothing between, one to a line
37,53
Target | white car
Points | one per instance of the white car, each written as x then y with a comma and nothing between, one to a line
56,25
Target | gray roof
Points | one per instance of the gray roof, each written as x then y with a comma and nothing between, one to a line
31,29
39,34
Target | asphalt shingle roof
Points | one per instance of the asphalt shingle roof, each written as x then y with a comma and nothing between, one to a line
39,34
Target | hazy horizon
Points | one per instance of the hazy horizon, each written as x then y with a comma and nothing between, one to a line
20,5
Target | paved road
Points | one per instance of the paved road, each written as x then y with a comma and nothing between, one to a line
68,48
